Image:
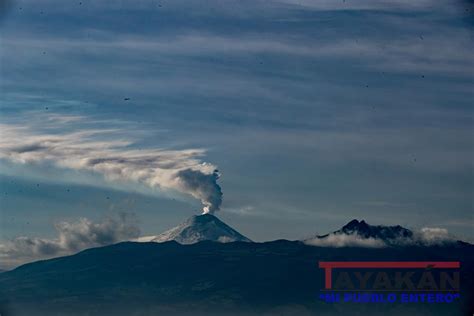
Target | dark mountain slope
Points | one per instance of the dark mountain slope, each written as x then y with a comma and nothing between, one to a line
207,278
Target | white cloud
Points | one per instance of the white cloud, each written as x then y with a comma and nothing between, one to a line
343,240
71,237
434,236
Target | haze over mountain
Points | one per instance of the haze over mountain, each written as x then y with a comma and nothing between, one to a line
199,228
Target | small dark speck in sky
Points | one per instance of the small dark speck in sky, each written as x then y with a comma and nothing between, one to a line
126,99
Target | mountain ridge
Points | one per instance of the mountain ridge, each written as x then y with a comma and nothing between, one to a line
366,230
205,278
361,234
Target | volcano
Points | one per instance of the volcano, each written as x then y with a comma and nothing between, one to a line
199,228
365,230
361,234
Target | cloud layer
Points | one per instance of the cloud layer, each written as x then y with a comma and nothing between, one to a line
434,236
343,240
71,237
90,150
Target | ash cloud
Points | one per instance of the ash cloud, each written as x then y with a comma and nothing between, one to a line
105,152
203,187
71,237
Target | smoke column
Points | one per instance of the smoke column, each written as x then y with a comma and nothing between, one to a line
203,187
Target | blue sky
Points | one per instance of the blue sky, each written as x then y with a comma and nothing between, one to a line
314,112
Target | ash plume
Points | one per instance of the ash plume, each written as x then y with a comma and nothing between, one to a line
105,152
203,187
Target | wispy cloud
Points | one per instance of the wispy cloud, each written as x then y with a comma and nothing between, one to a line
71,237
385,5
62,118
407,53
244,8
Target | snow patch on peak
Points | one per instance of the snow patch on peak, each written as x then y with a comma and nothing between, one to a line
199,228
